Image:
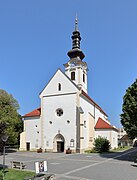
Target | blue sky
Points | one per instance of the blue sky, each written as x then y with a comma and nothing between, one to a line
35,37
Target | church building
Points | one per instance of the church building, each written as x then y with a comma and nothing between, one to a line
67,116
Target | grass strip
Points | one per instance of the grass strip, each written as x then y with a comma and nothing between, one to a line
13,174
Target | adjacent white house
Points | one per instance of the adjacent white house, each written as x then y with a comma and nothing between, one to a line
67,117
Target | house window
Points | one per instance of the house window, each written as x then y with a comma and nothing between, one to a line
68,121
47,143
72,143
36,145
59,87
83,77
59,112
90,139
85,124
72,75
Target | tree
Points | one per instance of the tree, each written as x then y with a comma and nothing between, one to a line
129,108
101,144
10,120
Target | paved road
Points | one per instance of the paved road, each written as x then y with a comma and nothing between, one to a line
111,166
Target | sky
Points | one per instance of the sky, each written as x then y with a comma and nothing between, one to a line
35,37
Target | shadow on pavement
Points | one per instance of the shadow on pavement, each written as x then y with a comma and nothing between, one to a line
8,150
127,155
11,150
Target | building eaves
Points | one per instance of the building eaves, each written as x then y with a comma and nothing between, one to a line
34,113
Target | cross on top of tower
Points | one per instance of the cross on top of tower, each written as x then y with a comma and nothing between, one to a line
76,23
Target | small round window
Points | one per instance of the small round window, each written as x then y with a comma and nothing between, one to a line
59,112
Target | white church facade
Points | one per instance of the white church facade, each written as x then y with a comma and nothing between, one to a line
67,117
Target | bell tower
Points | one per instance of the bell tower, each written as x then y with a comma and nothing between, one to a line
75,68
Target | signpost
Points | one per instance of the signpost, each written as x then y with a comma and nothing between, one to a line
41,169
41,166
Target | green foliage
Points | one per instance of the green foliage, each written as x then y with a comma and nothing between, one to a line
12,174
1,176
121,148
91,151
10,121
129,108
101,144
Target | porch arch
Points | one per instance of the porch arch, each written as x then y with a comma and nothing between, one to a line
58,143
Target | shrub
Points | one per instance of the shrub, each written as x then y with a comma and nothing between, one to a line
101,144
1,176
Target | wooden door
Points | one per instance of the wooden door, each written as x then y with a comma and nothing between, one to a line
28,146
60,146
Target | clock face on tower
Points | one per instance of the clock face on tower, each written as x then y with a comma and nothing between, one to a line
73,64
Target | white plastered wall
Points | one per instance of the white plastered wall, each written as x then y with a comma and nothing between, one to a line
91,131
95,113
54,124
23,141
52,87
99,114
114,139
51,99
87,109
79,71
33,132
109,134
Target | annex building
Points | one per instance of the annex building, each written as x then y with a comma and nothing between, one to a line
67,117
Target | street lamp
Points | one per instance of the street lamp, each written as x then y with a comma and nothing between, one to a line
4,139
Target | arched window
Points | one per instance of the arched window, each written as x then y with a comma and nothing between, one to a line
72,75
59,87
83,77
84,123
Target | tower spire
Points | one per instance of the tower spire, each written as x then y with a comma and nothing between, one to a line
75,68
76,51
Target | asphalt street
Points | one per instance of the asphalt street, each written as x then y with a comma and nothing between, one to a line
108,166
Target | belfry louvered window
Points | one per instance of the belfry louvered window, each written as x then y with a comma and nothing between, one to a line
72,75
83,77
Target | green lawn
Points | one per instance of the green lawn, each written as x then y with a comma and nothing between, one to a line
120,148
12,174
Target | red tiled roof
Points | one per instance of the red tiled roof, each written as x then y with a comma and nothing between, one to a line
33,113
101,124
85,94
